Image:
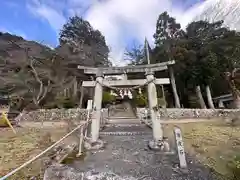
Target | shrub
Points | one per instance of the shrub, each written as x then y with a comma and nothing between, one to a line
108,98
234,167
141,100
69,103
162,103
61,102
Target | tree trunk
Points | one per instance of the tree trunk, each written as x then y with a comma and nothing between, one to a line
200,97
81,97
173,83
209,97
75,88
65,92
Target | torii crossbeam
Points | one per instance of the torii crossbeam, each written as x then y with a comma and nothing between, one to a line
127,69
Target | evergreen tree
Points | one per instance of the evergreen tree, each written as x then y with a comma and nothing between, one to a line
167,32
166,29
84,43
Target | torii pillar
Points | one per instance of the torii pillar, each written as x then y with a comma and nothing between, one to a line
95,126
153,102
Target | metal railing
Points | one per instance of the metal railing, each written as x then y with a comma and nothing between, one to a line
83,135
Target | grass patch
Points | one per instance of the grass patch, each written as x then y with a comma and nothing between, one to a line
15,149
73,157
213,143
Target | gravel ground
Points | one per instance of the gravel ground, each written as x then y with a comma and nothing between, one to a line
129,156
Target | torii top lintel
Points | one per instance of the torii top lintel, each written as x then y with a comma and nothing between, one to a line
127,69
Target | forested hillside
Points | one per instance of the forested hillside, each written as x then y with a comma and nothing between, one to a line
33,75
207,57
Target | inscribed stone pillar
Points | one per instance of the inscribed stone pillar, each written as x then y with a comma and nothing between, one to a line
152,101
97,107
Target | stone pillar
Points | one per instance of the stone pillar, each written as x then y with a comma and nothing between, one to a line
97,107
152,101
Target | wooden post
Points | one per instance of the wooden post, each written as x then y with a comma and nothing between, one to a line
89,109
80,147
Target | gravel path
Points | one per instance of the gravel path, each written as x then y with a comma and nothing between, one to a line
129,156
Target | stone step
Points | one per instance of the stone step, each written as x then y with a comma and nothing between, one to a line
121,117
123,122
124,118
123,133
130,119
127,128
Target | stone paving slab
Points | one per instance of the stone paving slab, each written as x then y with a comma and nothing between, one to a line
128,156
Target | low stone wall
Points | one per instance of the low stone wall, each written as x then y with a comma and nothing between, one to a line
174,113
105,113
57,114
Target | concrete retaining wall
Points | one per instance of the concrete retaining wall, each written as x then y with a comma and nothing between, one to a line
191,113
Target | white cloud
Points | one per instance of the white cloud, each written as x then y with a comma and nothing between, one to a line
187,16
54,17
118,20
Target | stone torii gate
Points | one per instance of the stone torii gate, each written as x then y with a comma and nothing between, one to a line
150,81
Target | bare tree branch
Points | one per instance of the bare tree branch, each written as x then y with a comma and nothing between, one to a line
38,80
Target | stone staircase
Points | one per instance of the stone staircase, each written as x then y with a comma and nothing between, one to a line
127,130
123,122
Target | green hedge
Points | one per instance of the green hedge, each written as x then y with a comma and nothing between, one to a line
108,98
140,100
